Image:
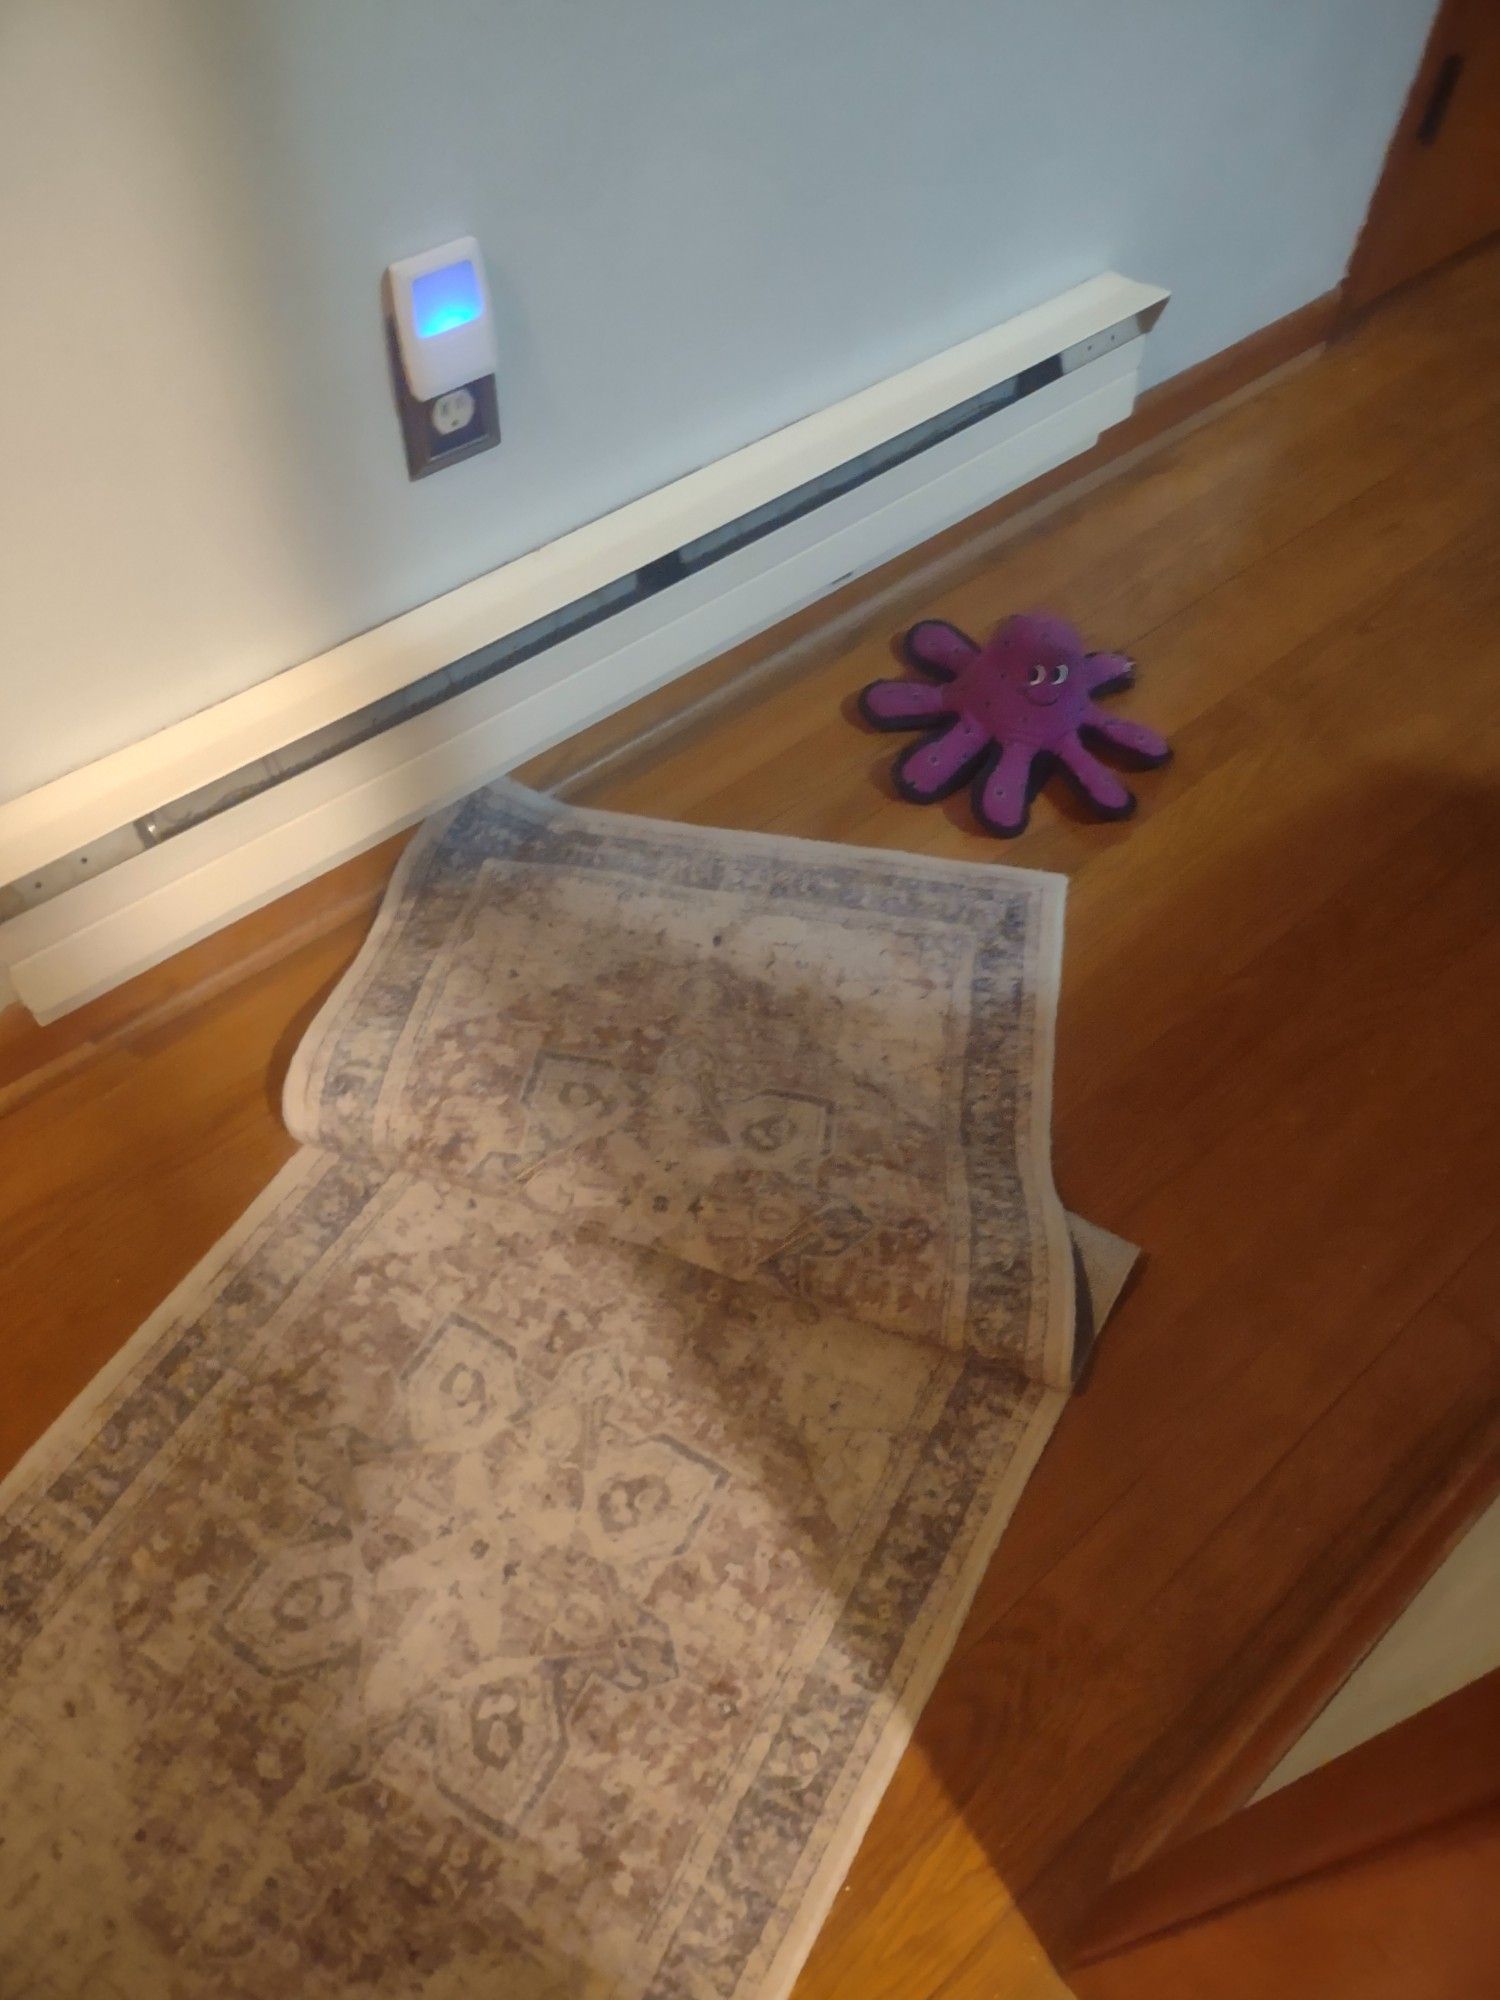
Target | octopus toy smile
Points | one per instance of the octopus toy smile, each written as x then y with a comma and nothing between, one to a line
1000,715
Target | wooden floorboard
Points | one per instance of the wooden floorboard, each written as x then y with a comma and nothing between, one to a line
1275,1071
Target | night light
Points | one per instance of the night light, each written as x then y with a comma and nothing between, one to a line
444,299
439,303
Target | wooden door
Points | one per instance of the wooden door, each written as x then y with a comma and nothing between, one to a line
1440,191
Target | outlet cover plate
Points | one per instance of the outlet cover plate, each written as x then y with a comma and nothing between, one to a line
436,433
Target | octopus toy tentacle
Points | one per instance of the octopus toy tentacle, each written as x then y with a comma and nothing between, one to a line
1102,671
939,763
1104,790
902,704
1134,738
938,648
1002,798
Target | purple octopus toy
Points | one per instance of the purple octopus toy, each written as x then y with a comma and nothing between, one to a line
1001,714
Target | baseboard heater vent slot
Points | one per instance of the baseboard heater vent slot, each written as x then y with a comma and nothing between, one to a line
856,509
662,573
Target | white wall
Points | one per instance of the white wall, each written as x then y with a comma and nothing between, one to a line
702,220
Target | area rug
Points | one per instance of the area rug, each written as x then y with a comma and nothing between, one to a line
513,1561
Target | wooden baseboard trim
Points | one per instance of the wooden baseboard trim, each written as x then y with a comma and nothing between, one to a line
1182,1829
1443,1507
1434,1768
1231,1736
31,1056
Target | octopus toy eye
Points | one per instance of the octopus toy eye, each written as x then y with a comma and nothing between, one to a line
1060,674
1036,676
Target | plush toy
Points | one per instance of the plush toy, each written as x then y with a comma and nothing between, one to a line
1003,713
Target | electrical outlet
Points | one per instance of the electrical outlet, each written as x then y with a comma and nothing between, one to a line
453,426
452,412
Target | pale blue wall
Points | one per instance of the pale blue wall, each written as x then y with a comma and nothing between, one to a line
702,219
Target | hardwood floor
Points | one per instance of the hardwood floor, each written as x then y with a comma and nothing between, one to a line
1275,1072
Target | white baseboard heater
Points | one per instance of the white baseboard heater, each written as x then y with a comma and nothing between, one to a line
114,867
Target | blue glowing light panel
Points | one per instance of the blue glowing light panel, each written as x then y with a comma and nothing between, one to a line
444,299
